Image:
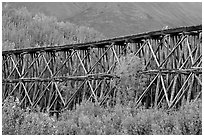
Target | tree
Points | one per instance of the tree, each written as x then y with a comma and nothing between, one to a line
23,29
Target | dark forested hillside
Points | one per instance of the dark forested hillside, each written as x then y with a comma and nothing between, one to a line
115,19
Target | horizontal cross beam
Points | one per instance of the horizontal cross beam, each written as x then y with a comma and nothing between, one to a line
62,78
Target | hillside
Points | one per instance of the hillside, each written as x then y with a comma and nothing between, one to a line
115,19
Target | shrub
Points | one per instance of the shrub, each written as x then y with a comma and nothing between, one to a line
189,119
163,123
67,127
37,124
12,116
89,118
131,83
17,121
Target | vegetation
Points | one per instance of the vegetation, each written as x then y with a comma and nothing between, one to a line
89,118
122,118
22,29
131,84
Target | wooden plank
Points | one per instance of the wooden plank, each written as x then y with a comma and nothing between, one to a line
172,51
176,98
146,90
157,92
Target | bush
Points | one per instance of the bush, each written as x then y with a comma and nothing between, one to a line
37,124
16,121
12,116
89,118
163,123
189,119
131,83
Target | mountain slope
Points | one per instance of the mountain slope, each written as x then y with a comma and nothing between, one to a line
115,19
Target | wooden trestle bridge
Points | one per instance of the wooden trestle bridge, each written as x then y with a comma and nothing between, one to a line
64,75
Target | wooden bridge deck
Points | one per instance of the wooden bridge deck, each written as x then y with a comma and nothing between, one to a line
64,75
